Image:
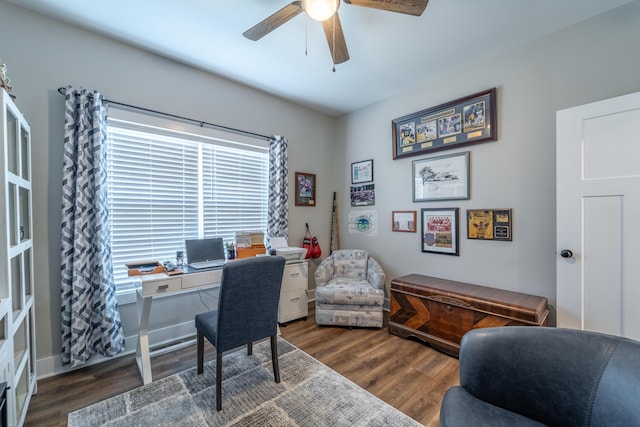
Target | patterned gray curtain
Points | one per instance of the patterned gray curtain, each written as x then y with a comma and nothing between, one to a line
278,225
90,316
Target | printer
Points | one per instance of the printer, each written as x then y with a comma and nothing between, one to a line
291,254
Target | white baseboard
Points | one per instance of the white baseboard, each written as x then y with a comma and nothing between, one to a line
51,366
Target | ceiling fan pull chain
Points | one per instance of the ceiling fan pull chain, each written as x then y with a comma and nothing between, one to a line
306,37
333,58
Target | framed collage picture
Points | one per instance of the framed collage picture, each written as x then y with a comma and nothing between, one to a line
440,230
464,121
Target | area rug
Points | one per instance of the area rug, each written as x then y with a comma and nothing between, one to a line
309,394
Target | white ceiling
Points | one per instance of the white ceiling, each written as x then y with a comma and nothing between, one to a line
389,51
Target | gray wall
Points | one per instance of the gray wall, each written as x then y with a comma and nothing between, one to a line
43,54
593,60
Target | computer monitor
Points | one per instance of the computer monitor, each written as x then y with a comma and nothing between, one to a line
209,249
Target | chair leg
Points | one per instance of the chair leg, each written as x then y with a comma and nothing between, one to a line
200,346
274,358
218,380
250,348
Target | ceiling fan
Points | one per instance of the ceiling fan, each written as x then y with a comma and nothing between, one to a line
326,11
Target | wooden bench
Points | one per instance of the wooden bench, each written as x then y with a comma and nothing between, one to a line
439,311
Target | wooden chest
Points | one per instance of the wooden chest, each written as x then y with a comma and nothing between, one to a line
439,312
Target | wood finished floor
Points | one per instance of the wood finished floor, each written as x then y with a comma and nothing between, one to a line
407,374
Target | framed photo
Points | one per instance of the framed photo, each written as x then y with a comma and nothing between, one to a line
464,121
441,178
305,189
362,172
489,224
403,221
440,230
363,195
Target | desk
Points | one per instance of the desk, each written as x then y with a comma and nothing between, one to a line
158,285
293,299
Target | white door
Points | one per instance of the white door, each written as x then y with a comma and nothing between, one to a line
598,216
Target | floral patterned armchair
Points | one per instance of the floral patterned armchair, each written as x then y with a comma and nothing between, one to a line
349,290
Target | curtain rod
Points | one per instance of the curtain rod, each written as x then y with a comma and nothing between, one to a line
63,91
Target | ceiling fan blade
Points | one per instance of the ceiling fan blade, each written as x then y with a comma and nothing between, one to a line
409,7
337,43
263,28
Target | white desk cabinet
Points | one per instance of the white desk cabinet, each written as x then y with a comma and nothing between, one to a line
293,295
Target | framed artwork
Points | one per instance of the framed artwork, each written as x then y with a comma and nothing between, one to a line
305,189
441,178
363,195
362,172
464,121
403,221
440,230
489,224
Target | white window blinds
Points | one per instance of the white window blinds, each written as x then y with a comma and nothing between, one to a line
166,186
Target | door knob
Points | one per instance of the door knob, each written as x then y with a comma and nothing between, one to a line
566,253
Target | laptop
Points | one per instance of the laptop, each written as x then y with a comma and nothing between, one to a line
205,253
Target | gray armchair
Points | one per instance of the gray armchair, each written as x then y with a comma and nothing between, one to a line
247,312
535,376
349,290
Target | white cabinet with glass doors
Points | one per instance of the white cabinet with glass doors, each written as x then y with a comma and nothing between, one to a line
17,340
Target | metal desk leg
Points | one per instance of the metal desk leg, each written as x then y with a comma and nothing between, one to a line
143,357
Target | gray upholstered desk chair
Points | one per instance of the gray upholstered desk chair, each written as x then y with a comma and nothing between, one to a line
247,312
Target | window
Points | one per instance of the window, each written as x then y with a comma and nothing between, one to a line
166,186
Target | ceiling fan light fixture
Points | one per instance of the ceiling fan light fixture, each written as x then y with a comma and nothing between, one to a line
320,10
